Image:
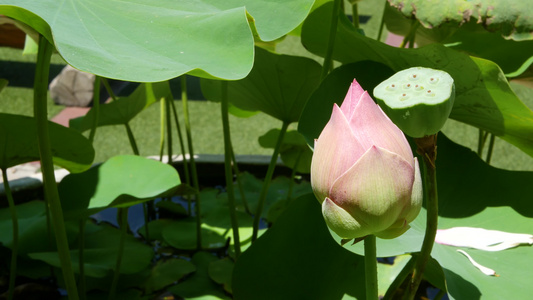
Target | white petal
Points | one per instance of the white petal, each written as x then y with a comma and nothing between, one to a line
482,239
483,269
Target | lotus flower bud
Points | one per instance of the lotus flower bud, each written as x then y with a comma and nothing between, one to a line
363,171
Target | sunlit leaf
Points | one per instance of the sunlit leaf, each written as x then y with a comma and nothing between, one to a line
121,181
149,41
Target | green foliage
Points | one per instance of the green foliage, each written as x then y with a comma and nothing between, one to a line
125,40
500,15
70,149
296,256
278,85
483,96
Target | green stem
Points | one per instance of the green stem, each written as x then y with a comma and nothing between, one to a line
410,36
268,178
96,107
185,103
131,138
81,247
47,166
328,59
169,129
15,244
228,150
180,138
382,22
122,216
239,182
355,15
491,148
162,129
109,89
395,285
371,268
182,145
427,148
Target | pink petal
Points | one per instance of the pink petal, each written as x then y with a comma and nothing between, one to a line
341,222
336,150
372,127
352,99
376,189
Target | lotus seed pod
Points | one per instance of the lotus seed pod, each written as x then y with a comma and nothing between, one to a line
418,100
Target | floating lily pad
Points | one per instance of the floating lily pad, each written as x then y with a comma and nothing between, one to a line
121,181
165,273
100,253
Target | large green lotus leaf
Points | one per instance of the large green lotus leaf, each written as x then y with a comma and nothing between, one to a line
149,41
512,18
474,194
33,232
121,181
294,151
278,85
333,89
483,96
122,110
200,285
18,137
297,259
100,252
512,56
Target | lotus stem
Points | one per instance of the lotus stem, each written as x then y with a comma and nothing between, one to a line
194,175
15,244
395,285
108,88
355,15
491,148
239,182
122,216
427,148
371,268
162,129
410,35
228,150
96,107
180,136
47,166
169,129
81,258
131,138
328,59
382,22
268,178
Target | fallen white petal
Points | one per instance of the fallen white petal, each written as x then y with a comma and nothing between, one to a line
482,239
483,269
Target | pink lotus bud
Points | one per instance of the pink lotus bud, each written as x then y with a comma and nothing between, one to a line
363,171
